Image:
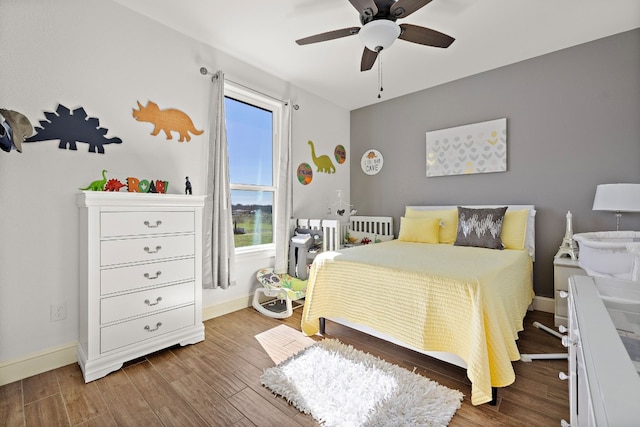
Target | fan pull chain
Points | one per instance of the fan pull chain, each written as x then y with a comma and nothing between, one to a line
380,76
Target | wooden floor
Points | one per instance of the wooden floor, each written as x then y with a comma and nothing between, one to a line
216,382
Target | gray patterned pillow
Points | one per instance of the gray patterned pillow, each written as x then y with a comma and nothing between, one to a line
480,227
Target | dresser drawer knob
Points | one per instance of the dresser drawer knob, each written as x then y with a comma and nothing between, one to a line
158,273
148,224
149,251
149,303
563,376
148,328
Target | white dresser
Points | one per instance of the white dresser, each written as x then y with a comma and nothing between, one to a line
140,266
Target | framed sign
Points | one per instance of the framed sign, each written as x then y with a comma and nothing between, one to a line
371,162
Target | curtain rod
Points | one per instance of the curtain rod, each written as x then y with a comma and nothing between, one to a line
204,72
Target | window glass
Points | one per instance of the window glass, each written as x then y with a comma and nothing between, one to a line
251,140
252,217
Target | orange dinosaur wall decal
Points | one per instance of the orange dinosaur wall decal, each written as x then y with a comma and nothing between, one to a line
166,120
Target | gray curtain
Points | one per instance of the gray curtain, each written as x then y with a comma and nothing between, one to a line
283,203
218,266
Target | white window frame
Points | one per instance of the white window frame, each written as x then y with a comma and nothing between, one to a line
259,100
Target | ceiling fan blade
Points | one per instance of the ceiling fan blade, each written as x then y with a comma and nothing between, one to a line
330,35
368,59
426,36
365,7
404,8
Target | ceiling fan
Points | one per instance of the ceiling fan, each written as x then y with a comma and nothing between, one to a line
379,28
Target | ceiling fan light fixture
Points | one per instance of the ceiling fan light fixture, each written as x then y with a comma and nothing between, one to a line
379,34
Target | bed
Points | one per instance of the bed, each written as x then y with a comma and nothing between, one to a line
461,304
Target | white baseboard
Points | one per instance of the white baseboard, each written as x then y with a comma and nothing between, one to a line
545,304
226,307
53,358
37,363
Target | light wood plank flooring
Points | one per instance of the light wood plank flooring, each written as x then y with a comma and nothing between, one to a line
216,382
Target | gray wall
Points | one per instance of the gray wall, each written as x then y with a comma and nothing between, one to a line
573,122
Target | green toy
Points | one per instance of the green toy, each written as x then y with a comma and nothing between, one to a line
97,185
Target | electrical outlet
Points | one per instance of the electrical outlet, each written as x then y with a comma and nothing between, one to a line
58,312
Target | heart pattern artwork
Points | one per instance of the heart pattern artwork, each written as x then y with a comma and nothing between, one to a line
475,148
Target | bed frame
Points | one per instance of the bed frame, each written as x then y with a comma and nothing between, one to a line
388,222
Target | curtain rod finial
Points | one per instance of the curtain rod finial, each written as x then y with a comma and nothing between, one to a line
204,71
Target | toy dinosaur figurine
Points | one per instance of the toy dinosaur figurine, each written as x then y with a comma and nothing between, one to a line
166,120
113,185
97,185
323,163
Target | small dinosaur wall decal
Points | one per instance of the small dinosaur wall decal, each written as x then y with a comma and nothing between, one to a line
97,185
323,163
166,120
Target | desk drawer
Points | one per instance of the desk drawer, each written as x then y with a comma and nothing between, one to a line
145,328
145,302
116,224
145,249
134,277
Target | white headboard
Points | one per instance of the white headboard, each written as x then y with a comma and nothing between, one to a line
380,225
530,241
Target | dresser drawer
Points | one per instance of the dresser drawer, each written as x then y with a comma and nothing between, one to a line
134,277
145,328
145,302
116,224
145,249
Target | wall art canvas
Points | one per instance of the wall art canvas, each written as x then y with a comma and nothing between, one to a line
469,149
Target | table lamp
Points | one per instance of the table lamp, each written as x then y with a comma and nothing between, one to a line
617,198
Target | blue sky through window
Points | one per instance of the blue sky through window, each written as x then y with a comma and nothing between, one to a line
250,141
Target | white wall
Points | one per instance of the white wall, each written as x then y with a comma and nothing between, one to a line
104,57
572,119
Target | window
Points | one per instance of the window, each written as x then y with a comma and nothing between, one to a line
252,122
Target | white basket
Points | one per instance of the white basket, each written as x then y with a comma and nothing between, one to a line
610,254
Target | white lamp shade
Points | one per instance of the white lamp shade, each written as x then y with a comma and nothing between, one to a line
617,197
379,34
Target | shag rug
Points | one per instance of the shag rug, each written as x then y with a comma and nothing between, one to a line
341,386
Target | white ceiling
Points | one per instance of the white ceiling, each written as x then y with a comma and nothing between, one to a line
489,34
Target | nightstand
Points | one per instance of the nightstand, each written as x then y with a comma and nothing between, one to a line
563,268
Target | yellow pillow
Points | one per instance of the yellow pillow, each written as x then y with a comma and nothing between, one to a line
448,226
514,229
420,230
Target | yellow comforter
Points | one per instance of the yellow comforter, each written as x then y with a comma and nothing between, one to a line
463,300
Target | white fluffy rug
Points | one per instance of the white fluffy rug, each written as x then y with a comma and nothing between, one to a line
341,386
